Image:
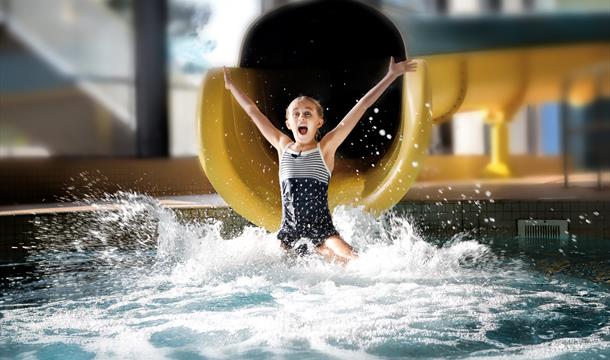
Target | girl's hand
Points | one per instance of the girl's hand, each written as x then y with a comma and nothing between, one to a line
228,81
398,69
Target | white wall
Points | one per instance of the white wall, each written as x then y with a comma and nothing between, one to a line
468,133
518,133
464,7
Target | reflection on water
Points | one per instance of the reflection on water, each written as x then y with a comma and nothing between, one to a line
137,282
588,259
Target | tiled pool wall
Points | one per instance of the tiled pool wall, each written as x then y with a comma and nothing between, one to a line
18,232
586,219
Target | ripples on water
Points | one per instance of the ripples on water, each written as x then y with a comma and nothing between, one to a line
134,281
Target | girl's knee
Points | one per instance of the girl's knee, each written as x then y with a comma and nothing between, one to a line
325,250
340,247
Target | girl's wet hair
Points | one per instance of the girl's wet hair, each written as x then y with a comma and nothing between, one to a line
316,103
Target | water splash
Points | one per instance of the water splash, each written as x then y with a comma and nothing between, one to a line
134,279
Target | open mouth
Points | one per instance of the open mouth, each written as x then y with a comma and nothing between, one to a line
302,130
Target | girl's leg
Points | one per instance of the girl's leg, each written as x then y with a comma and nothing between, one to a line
336,249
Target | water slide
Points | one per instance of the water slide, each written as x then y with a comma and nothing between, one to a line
244,172
496,72
498,64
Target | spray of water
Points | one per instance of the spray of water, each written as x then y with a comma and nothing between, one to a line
134,279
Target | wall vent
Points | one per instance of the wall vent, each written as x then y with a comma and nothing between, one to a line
543,229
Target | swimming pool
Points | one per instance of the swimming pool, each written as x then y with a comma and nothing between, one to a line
138,281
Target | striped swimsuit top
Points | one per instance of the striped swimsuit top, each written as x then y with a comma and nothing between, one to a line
304,164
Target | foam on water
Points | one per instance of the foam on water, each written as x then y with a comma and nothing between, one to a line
134,281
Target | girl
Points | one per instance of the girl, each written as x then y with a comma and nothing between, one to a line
306,165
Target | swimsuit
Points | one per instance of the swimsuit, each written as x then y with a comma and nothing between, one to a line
304,179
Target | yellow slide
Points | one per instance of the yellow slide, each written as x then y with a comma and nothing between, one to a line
243,168
500,81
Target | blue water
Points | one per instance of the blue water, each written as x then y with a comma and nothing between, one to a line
132,281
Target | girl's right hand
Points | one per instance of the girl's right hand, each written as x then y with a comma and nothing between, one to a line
228,81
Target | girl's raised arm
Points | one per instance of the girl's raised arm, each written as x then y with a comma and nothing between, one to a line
270,132
336,136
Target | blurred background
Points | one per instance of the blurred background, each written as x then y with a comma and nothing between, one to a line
107,89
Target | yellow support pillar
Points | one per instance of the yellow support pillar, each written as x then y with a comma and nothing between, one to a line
498,166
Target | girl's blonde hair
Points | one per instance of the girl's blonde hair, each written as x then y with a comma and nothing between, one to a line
316,103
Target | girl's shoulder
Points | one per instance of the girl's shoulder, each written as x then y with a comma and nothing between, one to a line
283,145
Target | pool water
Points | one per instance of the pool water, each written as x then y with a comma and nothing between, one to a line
137,282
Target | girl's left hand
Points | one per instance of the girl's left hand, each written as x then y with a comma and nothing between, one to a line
408,65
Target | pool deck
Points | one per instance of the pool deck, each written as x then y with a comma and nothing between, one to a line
583,187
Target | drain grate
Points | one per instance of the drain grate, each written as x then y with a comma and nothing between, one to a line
542,229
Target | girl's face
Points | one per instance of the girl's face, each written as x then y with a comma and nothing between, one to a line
303,120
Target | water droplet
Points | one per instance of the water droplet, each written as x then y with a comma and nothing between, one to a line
415,164
388,136
488,193
596,213
382,132
375,110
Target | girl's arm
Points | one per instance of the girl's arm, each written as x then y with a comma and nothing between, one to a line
270,132
336,136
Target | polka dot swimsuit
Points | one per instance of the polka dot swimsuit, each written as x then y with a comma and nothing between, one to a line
304,179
